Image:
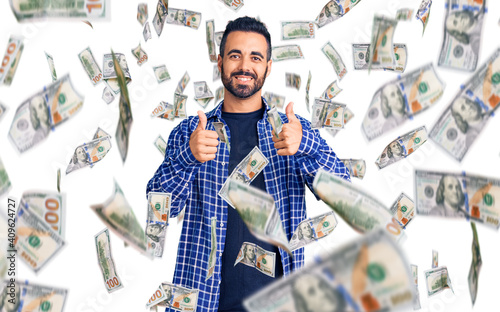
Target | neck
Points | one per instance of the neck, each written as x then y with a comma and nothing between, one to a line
233,104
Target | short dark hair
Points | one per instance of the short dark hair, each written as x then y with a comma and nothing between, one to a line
246,24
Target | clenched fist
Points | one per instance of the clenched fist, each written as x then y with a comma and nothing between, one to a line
290,135
203,143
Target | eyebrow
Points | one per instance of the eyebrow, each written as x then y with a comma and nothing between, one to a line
251,53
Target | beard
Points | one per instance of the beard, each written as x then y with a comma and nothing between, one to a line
242,91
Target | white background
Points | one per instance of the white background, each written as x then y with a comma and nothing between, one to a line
181,49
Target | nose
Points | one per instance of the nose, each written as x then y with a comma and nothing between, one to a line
245,63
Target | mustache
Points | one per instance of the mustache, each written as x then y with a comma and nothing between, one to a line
244,73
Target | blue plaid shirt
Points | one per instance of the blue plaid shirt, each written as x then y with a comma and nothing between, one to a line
196,186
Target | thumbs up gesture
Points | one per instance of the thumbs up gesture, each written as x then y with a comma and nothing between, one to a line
290,135
203,143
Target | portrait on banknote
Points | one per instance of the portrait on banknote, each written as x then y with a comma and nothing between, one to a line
450,198
311,293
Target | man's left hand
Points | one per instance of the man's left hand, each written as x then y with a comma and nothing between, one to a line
290,135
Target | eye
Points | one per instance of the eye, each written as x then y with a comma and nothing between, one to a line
256,58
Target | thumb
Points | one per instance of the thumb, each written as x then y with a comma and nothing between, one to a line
202,124
289,112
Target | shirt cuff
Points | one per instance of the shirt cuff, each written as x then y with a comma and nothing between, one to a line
185,158
310,143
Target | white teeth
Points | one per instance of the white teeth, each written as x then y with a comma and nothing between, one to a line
244,79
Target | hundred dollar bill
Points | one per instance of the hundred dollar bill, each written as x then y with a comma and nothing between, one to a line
403,210
312,229
292,80
161,73
142,13
164,110
334,10
119,217
331,91
404,14
334,58
423,12
216,73
360,210
348,115
176,298
275,120
297,30
274,100
213,248
381,46
463,120
257,257
434,259
212,53
416,299
43,111
437,280
368,274
184,18
245,171
50,61
106,262
258,211
48,205
11,59
157,222
5,184
286,52
3,109
180,105
401,99
361,55
90,65
219,94
218,37
327,114
220,129
160,17
476,264
234,5
88,154
160,144
32,297
308,86
202,93
146,32
357,167
36,242
462,34
29,10
158,296
458,195
140,55
402,147
182,83
110,75
107,95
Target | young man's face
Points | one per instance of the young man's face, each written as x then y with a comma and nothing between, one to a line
244,67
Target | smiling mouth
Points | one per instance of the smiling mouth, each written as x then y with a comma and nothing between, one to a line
243,78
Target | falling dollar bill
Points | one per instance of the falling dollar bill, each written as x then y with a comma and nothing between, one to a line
348,115
202,93
234,5
146,32
257,257
161,73
88,154
464,119
140,55
357,167
52,68
160,144
331,91
404,14
416,299
360,210
43,111
3,110
176,298
108,96
274,100
218,37
475,266
216,73
297,30
334,58
312,229
286,52
275,120
182,83
292,80
258,211
11,59
435,262
462,34
327,114
212,53
184,17
212,258
402,147
142,13
106,262
90,65
401,99
220,129
32,297
308,86
381,46
110,75
219,94
29,10
36,242
458,195
49,206
368,274
437,280
423,12
157,222
403,210
5,184
160,17
361,55
180,105
59,180
334,10
164,110
119,217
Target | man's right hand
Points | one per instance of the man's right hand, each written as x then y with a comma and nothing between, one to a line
203,143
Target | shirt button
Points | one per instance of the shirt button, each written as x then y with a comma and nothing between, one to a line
219,282
220,254
222,224
223,163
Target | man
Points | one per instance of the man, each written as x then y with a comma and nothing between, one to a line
450,198
196,166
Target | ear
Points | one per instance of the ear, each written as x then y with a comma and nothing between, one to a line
269,66
219,61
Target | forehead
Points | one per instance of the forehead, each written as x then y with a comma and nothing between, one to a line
246,42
